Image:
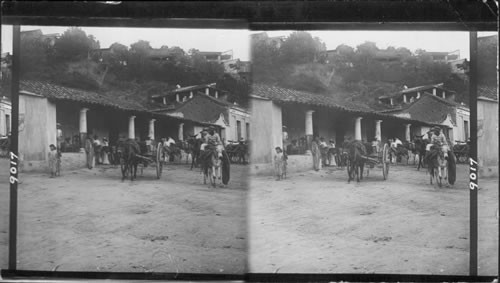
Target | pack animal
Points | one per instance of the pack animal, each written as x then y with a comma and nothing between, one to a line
130,149
356,150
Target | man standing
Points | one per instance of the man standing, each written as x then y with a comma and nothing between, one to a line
316,154
89,152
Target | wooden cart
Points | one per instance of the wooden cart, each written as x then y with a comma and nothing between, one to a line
154,158
380,160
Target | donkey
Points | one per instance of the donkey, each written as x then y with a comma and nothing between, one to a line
437,166
130,159
211,166
356,151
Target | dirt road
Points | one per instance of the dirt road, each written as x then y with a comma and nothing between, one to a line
89,220
315,222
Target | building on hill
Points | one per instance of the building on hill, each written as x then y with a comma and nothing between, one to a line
216,56
306,114
81,113
409,95
206,103
49,39
444,57
237,68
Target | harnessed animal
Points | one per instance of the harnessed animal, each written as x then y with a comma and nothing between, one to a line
437,165
129,151
356,150
211,164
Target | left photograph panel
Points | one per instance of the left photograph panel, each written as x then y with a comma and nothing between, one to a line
132,149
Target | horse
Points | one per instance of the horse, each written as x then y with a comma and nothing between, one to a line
129,151
356,151
420,145
437,165
211,165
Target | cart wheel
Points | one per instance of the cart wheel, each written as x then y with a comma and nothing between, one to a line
385,162
159,163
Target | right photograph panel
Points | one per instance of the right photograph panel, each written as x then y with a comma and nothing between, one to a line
359,153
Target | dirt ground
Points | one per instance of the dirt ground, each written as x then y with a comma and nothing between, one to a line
315,222
89,220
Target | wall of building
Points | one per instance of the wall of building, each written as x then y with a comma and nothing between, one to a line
232,131
325,124
5,109
294,118
461,133
37,130
487,138
265,126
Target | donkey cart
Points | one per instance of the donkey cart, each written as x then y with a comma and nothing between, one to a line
377,159
154,156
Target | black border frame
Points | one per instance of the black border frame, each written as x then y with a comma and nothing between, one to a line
460,15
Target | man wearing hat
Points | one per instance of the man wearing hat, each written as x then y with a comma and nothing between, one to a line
438,139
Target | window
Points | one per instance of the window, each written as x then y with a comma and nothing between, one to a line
248,130
7,124
238,129
466,130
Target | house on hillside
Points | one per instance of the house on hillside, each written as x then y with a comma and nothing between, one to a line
205,103
305,115
444,57
237,68
49,39
5,116
83,113
216,56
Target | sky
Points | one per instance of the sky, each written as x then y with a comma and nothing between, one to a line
413,40
238,40
201,39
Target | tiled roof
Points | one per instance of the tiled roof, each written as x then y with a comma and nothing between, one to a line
284,95
428,109
203,108
116,99
488,91
280,94
58,92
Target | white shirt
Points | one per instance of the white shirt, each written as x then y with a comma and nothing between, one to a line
169,142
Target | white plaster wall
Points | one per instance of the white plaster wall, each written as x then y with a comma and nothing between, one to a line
265,126
487,138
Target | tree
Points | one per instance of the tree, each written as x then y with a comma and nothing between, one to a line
34,60
74,45
300,48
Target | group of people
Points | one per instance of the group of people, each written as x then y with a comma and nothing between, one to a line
323,153
97,151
